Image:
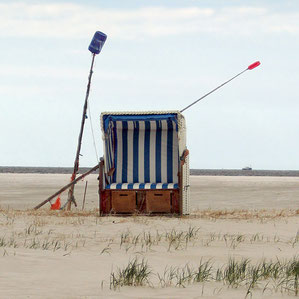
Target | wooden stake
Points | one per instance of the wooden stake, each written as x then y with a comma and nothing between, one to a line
101,187
67,186
84,195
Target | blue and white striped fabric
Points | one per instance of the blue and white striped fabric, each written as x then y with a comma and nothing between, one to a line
109,150
127,186
142,152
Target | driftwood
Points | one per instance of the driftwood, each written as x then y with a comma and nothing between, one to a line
67,186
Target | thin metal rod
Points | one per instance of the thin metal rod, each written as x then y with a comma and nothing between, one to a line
76,164
212,91
67,186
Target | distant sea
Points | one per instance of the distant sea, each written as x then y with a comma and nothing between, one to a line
212,172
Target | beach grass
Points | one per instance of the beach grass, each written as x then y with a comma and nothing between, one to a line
276,276
231,253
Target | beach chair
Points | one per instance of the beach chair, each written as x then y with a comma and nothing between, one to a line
145,168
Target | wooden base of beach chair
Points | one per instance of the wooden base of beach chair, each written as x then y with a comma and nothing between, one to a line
140,202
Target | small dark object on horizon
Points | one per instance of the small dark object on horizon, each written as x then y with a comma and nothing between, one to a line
247,168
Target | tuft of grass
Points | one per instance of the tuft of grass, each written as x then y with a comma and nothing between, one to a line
107,249
32,229
235,272
253,277
174,239
182,276
168,277
203,272
136,273
294,241
3,241
292,276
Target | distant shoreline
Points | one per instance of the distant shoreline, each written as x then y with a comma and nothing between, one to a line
209,172
240,172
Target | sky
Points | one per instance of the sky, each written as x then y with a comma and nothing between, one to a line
159,55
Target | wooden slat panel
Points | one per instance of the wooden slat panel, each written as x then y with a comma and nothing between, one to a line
175,204
123,201
158,201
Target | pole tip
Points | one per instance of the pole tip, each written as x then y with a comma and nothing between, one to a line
254,65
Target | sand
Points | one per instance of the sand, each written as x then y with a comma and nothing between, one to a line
58,255
24,191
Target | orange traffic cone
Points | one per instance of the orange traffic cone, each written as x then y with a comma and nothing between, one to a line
56,205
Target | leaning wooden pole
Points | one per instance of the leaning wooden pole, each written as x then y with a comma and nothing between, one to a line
67,186
95,48
71,197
